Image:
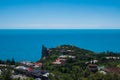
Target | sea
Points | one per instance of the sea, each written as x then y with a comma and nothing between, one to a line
25,44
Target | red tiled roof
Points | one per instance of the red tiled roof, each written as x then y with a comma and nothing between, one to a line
113,70
92,65
38,64
29,69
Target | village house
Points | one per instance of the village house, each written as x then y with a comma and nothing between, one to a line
28,63
114,70
112,57
20,76
91,62
66,56
29,72
3,65
23,68
37,64
0,71
70,50
94,61
42,74
59,61
93,67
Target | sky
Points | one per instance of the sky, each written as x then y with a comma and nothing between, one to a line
59,14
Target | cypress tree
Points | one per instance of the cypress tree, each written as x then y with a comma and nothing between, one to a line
44,51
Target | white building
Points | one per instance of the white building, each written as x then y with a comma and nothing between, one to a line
0,72
27,63
66,56
21,67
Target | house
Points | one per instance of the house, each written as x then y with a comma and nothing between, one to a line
29,69
56,62
62,59
112,57
70,51
59,61
3,65
42,74
66,56
38,64
21,67
93,67
28,63
113,70
20,76
91,62
46,74
0,71
73,57
108,57
63,56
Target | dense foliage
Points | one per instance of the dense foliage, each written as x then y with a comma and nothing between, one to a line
76,69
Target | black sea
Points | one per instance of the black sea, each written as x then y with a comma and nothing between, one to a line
23,44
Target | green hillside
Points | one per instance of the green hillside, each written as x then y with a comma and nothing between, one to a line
68,62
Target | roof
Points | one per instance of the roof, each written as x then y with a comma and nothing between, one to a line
38,73
92,65
113,70
38,64
21,67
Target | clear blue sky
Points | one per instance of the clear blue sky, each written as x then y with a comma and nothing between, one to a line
48,14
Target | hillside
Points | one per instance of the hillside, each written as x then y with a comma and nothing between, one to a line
52,53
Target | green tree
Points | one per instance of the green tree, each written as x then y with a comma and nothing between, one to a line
13,61
6,74
87,72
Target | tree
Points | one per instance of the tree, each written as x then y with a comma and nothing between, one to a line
8,61
29,79
87,72
51,77
13,61
6,74
44,51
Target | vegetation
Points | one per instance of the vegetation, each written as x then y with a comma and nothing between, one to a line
76,69
8,61
73,68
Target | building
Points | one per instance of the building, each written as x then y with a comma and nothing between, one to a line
59,61
114,70
93,67
28,63
21,67
112,57
38,64
66,56
20,76
42,74
0,71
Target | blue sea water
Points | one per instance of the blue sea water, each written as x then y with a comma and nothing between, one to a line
26,44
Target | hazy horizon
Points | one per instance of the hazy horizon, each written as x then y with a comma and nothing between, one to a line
59,14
